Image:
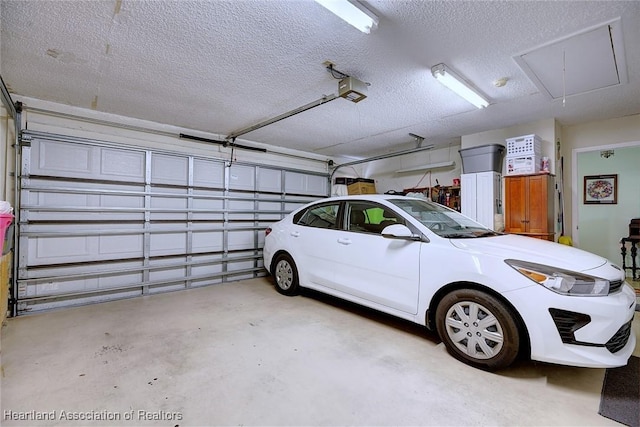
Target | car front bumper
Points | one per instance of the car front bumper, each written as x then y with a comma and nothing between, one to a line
580,331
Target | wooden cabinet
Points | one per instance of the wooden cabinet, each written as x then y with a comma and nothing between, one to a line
529,201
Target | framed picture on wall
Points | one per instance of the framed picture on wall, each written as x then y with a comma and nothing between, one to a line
601,189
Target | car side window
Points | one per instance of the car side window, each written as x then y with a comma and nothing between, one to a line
369,217
322,216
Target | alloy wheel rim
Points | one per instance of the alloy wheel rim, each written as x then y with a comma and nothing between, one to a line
474,330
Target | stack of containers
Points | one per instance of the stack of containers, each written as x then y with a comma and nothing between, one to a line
6,217
524,155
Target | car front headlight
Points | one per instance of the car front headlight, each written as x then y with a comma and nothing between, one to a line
561,281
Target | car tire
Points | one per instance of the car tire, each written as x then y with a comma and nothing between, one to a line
478,329
285,275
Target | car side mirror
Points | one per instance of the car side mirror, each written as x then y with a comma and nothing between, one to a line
399,231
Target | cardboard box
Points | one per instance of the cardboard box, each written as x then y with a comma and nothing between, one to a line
362,186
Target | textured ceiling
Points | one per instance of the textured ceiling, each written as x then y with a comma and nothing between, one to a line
219,66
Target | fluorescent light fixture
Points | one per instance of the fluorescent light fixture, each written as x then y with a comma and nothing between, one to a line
447,77
353,12
427,167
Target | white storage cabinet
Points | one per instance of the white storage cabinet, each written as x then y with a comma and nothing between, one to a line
481,195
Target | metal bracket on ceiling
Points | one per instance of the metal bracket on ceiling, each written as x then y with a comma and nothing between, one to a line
419,139
333,72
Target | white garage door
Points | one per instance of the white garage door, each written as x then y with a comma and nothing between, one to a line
101,222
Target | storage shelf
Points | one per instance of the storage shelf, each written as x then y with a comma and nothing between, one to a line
438,194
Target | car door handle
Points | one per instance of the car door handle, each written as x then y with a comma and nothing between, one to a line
344,241
295,234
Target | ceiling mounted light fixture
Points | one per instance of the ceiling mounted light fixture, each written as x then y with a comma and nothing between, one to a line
353,12
447,77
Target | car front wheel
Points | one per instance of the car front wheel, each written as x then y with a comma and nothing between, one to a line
285,275
478,329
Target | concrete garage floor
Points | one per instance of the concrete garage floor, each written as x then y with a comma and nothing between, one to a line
241,354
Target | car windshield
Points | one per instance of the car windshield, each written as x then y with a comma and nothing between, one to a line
441,220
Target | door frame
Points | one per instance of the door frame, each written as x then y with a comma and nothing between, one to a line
575,198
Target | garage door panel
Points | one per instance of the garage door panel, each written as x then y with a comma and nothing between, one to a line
42,273
55,250
207,209
173,206
122,246
167,169
64,287
63,159
100,221
241,239
61,249
116,164
207,241
65,206
207,265
301,183
161,288
57,198
242,270
208,173
121,208
272,211
269,180
74,201
168,243
74,300
242,177
61,287
120,280
317,184
70,160
241,209
168,274
290,207
207,281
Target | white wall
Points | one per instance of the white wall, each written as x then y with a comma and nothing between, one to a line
602,225
386,177
623,131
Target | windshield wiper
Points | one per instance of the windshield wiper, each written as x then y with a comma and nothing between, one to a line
459,236
488,233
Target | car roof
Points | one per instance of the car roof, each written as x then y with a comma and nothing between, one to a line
372,197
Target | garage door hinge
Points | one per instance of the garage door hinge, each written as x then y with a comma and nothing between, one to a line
25,140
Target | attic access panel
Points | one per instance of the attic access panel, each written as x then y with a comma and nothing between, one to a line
583,62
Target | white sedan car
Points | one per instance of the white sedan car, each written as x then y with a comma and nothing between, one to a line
490,296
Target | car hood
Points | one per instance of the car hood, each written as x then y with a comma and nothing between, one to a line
512,246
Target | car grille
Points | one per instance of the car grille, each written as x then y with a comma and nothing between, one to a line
615,286
620,338
568,322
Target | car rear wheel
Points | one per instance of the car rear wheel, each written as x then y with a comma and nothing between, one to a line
478,329
285,275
